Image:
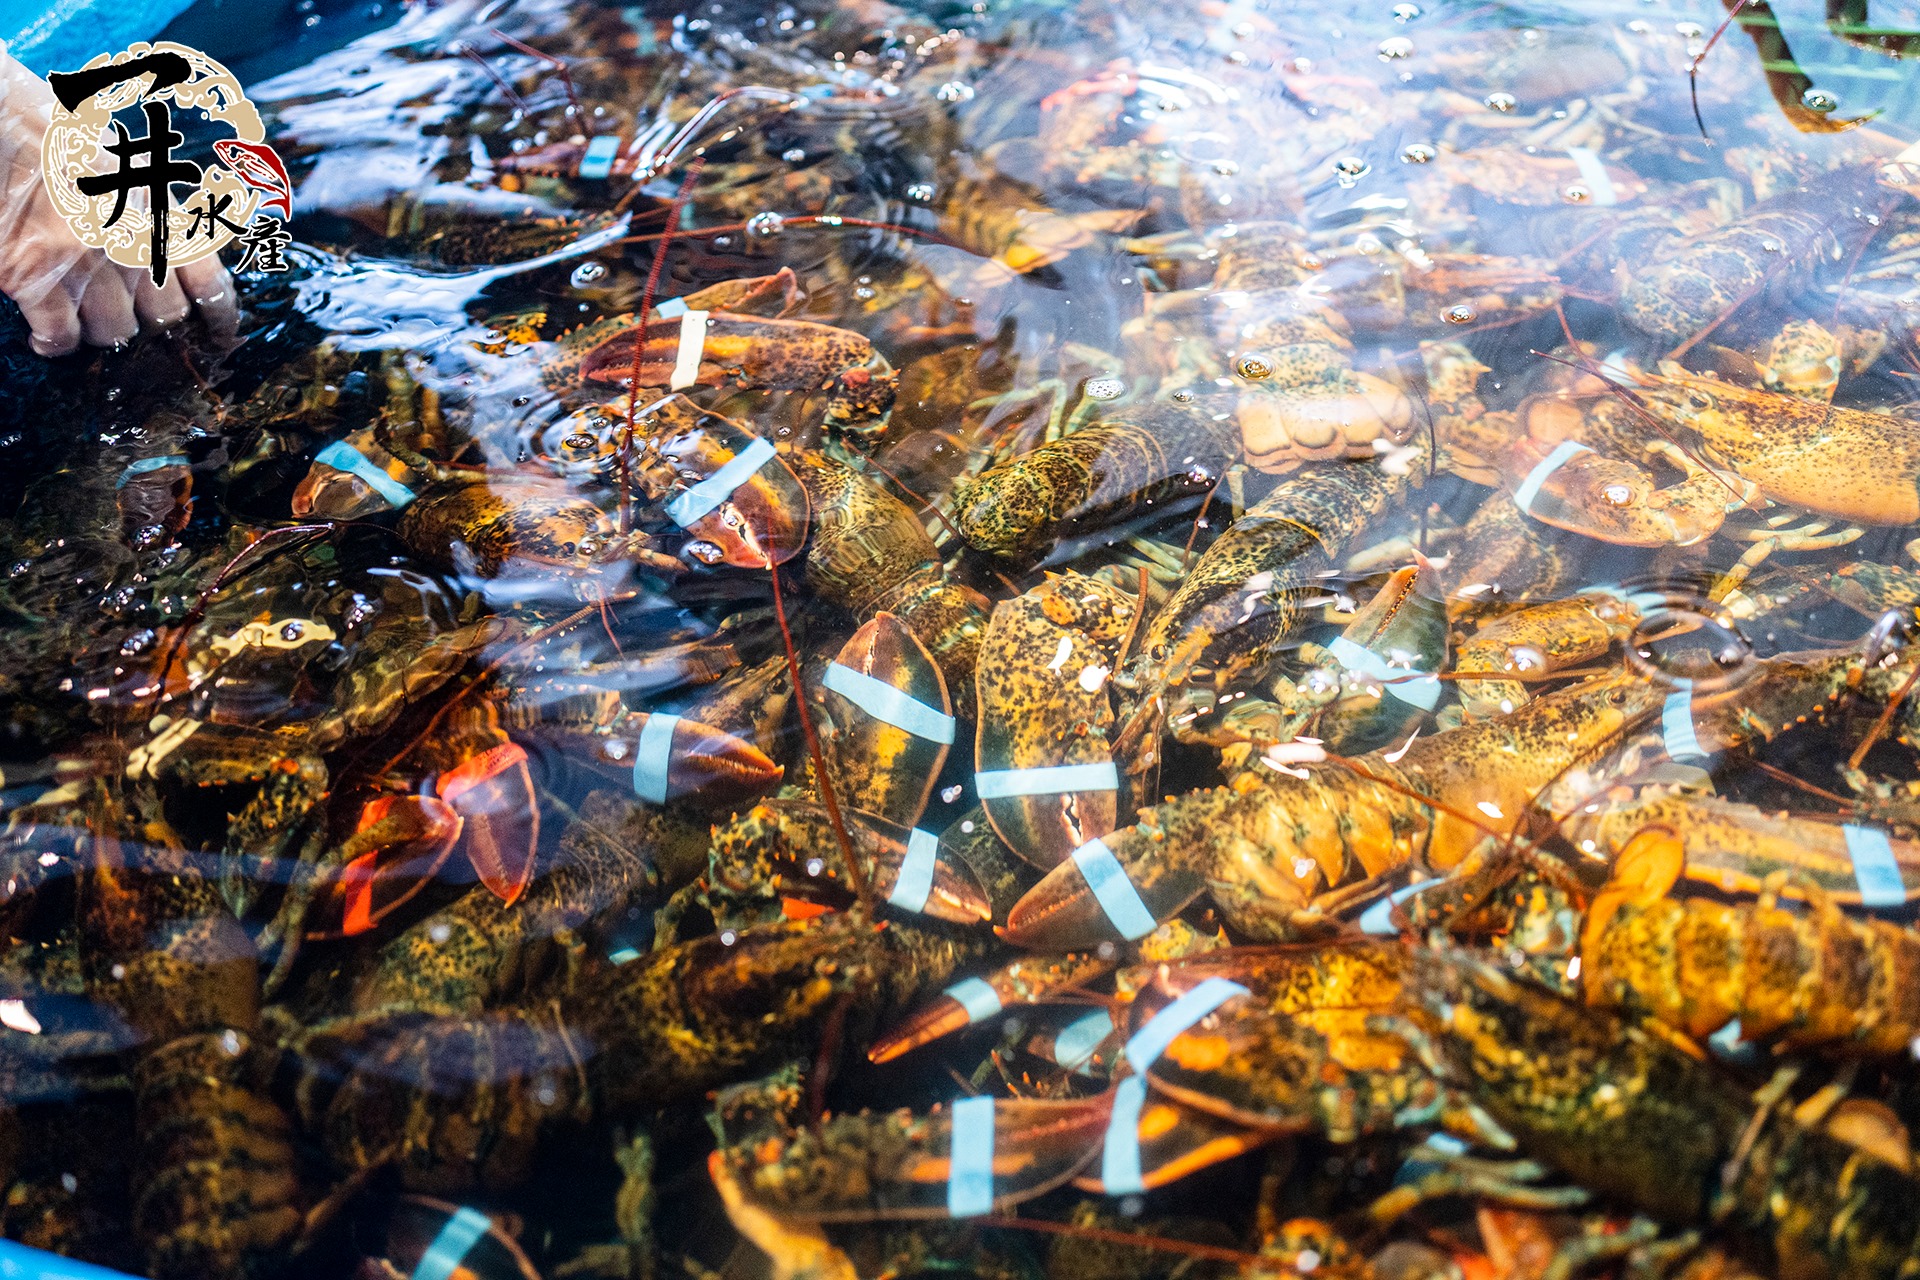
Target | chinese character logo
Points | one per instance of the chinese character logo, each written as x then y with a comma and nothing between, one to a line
129,194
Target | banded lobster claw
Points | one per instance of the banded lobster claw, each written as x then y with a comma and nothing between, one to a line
788,848
736,499
1296,1038
353,479
1169,1141
1572,487
1045,768
886,725
1029,980
665,757
976,1156
1117,889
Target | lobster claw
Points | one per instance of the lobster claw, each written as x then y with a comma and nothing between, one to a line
1031,980
664,757
744,508
399,844
1045,770
977,1156
889,721
1298,1043
904,868
1169,1141
493,791
352,479
1117,889
419,1240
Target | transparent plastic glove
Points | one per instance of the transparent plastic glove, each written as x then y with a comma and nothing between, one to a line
67,292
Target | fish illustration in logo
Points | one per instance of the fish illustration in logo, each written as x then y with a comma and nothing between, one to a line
260,168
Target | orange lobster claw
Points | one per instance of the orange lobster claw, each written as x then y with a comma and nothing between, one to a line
493,792
399,844
1029,980
1176,1140
901,1165
666,758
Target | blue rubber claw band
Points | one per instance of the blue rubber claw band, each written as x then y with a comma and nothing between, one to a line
1120,1158
915,885
1150,1041
651,756
342,456
1074,1047
450,1248
1676,725
1047,780
976,996
700,500
970,1158
1874,867
1415,688
1529,489
1115,893
144,465
889,705
598,161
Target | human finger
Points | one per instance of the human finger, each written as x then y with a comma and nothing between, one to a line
159,307
55,323
209,289
106,309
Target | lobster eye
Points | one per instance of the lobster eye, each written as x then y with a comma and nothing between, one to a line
1699,399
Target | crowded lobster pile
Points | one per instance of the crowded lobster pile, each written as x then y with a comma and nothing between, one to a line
1030,640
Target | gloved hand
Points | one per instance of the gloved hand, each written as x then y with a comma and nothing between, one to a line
66,291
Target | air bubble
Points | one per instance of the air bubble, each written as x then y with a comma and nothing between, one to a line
1405,12
1460,313
954,91
920,192
1819,100
1350,169
1394,48
1576,194
765,225
1255,368
1418,153
1225,168
1105,387
1501,102
588,273
794,155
